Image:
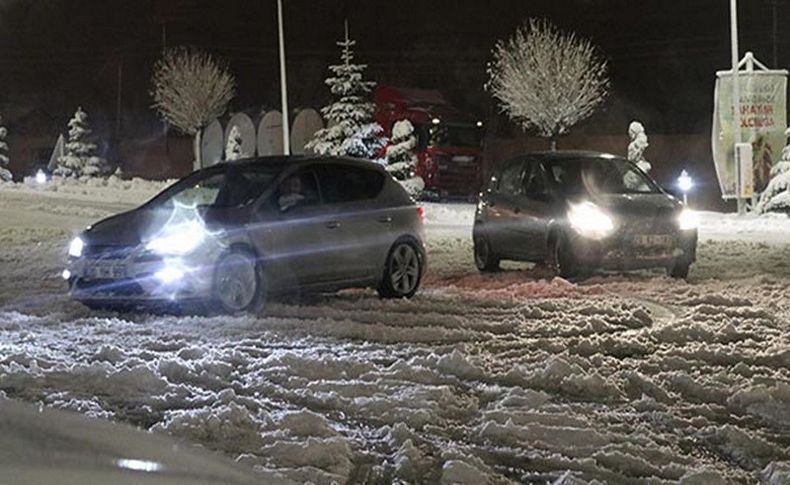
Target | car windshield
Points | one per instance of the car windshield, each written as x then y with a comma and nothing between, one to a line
598,175
455,135
225,187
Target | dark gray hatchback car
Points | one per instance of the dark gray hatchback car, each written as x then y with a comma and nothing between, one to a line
579,211
229,234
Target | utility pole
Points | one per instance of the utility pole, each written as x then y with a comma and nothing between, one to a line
736,103
118,101
283,81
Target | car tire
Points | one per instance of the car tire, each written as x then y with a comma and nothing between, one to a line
679,269
402,271
485,259
562,259
237,285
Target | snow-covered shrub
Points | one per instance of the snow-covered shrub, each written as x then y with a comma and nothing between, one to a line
546,79
5,174
80,158
233,147
351,130
401,158
776,196
638,145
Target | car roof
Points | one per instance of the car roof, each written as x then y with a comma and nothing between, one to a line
570,155
297,160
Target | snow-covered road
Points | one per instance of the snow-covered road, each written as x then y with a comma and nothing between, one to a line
513,377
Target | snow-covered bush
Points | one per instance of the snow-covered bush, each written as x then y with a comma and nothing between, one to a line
401,158
5,174
351,130
546,79
638,145
233,147
776,196
191,89
80,158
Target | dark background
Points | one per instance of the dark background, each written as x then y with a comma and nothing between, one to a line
662,54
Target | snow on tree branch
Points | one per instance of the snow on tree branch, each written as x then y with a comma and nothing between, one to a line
190,88
5,174
547,80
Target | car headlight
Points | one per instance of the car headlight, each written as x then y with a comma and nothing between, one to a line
688,219
589,220
179,239
76,246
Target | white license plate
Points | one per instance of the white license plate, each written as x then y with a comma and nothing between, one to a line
105,271
653,240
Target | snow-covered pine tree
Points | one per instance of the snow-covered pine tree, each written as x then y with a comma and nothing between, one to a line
80,157
5,174
233,147
776,196
401,159
350,129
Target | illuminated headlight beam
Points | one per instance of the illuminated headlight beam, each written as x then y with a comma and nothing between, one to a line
76,246
688,220
589,220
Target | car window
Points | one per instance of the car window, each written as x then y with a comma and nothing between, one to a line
598,175
346,183
534,181
298,189
510,182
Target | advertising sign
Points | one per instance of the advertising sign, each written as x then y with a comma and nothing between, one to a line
763,119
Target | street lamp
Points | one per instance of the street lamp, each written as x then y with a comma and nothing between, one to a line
685,184
41,177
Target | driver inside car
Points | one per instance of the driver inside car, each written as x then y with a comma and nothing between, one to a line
291,193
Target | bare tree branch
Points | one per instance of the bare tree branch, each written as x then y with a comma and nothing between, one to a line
545,79
190,88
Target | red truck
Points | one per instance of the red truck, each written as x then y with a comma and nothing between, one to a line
449,141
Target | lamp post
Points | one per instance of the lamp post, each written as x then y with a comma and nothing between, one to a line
283,81
685,184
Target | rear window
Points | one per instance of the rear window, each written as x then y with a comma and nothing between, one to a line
346,183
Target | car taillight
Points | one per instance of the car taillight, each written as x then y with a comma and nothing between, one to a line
421,212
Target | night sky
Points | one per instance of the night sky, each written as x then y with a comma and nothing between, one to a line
663,54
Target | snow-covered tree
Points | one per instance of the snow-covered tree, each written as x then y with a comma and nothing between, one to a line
776,196
5,174
233,147
638,145
547,80
351,130
401,158
80,153
190,89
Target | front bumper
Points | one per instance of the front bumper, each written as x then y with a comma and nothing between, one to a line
138,278
624,251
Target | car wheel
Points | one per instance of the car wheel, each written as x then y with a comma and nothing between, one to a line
679,269
402,272
485,259
562,259
237,285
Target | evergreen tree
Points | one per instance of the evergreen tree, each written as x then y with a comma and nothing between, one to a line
5,174
233,147
776,196
351,130
80,157
401,159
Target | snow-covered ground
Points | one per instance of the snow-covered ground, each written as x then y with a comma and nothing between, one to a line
506,378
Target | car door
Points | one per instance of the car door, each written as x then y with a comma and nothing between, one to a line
294,236
503,210
360,230
535,210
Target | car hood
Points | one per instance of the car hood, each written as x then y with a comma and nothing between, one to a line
124,229
639,205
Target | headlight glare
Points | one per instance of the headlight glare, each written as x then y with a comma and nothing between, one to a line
179,239
589,220
688,220
76,246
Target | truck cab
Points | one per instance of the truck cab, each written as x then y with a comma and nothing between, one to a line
449,141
